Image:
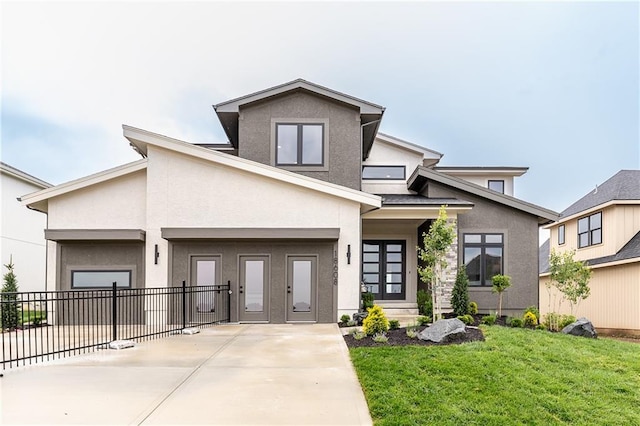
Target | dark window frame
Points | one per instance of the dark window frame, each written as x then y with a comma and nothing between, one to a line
561,235
75,287
483,245
496,181
591,231
383,264
380,166
299,145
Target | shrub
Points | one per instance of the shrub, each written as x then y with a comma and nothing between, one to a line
376,322
541,327
394,324
467,319
534,310
551,321
352,323
489,319
500,284
358,334
530,319
565,320
514,322
367,300
344,319
412,333
380,338
423,320
10,309
425,304
460,292
473,308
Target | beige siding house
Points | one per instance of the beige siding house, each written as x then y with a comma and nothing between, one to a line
603,227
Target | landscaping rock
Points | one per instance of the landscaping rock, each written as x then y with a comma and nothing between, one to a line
582,327
358,317
442,329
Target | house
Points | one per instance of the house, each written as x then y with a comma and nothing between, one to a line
603,227
305,201
23,241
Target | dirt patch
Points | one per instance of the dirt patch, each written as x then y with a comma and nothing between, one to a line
399,338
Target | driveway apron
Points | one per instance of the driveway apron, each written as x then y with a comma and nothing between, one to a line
259,374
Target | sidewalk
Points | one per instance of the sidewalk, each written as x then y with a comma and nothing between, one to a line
226,375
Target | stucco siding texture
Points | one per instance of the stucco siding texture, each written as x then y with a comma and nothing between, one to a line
520,248
342,134
278,251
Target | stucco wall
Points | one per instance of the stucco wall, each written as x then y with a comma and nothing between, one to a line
520,249
385,154
255,130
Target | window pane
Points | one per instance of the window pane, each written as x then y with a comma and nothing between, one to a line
583,240
561,234
287,144
206,272
254,285
496,185
472,238
493,238
370,257
370,267
383,172
375,288
596,236
394,248
583,225
493,263
311,144
394,267
370,278
97,279
371,247
596,221
394,278
472,263
301,286
394,257
394,288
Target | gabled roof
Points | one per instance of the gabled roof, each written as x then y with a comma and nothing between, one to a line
228,112
631,250
624,185
422,175
430,153
543,256
26,177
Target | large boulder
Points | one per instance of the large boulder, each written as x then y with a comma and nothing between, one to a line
582,327
358,317
443,329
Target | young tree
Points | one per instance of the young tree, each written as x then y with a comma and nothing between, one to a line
460,294
500,284
9,309
433,255
570,277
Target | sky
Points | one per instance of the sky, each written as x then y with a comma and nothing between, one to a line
553,86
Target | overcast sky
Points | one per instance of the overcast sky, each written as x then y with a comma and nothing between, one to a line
550,86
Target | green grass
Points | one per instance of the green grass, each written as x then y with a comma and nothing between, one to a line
516,376
28,317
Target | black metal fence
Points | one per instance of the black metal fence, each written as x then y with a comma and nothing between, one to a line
40,326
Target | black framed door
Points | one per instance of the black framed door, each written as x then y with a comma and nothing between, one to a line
384,267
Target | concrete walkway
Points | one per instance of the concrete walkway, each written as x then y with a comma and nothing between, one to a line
226,375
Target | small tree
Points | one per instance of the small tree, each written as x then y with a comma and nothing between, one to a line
9,309
500,284
433,256
376,322
571,277
460,294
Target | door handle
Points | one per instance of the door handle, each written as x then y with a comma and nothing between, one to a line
241,290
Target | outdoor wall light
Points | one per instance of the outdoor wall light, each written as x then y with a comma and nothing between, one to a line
157,255
348,254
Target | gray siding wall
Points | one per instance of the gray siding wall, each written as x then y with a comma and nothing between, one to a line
520,249
230,252
342,133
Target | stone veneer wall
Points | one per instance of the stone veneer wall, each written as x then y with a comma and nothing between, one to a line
449,273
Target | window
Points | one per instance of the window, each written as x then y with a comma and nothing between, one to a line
383,268
383,172
299,144
496,185
100,279
483,257
590,230
560,234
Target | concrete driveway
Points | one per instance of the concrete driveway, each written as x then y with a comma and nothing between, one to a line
226,375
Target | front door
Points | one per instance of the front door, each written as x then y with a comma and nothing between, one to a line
254,288
383,268
205,271
302,278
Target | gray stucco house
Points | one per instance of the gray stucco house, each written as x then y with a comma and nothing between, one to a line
305,201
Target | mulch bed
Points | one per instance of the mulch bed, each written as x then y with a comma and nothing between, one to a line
399,338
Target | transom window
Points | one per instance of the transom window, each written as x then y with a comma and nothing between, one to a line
483,257
383,172
590,230
496,185
100,279
299,144
560,234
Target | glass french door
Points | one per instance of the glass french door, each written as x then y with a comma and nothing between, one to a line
302,274
205,271
254,288
384,268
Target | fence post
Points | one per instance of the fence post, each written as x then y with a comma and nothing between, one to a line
184,305
114,312
229,301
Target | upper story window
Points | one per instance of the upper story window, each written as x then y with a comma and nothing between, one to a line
560,235
496,185
590,230
383,172
299,144
483,257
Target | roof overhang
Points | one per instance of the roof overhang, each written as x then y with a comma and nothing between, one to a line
25,177
422,175
68,235
483,170
428,154
242,234
414,212
593,209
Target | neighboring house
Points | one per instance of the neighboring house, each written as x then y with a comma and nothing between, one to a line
604,229
305,202
22,230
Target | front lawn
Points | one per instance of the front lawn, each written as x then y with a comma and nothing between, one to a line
516,376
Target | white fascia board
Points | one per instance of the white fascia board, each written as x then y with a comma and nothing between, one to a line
140,138
74,185
412,212
603,265
483,171
391,140
593,210
25,177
